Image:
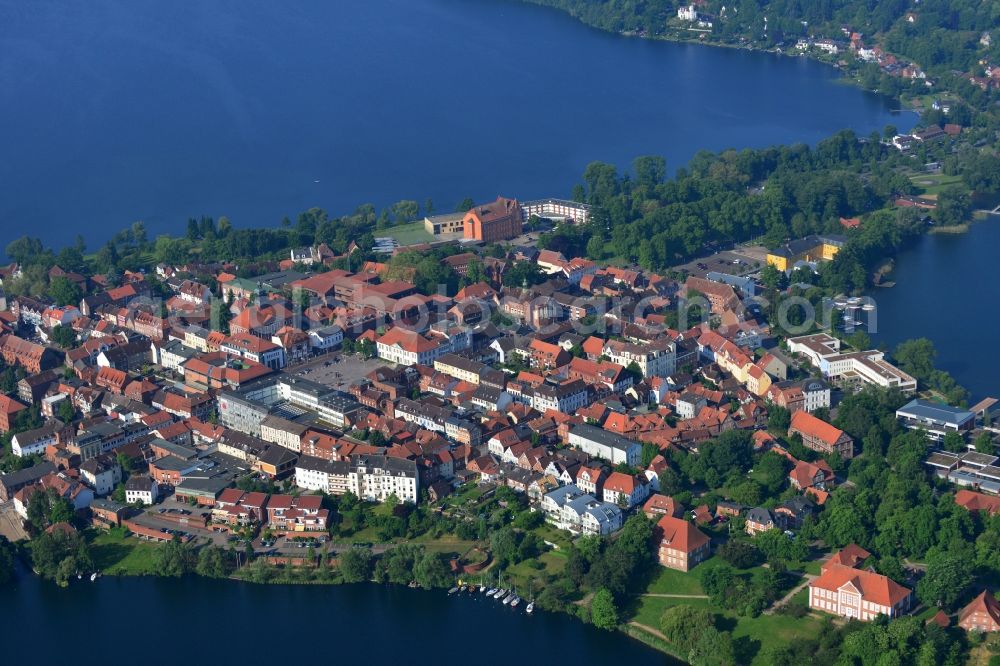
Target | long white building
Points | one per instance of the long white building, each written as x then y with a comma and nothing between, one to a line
869,367
372,478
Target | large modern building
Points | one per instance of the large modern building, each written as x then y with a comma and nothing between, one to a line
936,419
869,367
578,213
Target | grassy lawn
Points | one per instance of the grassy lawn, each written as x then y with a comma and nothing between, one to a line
766,631
367,535
647,610
115,553
407,234
447,543
519,575
752,635
933,183
550,534
465,496
671,581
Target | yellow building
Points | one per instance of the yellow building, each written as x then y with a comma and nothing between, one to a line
810,248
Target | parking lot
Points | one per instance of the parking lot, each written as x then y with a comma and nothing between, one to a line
154,518
338,370
740,261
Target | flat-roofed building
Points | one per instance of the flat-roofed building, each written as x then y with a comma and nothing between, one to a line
936,419
604,444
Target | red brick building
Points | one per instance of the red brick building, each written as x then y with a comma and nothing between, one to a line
30,356
497,221
9,409
982,614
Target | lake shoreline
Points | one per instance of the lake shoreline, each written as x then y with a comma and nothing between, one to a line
776,51
627,629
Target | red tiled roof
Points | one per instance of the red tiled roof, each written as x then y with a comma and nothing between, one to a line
974,501
850,555
874,588
682,535
807,424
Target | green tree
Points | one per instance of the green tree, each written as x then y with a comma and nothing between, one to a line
64,336
713,648
916,357
984,443
24,250
682,625
948,576
356,565
59,555
953,442
64,291
175,559
211,562
431,570
6,562
603,612
504,544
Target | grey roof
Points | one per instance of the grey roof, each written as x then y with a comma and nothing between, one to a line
935,413
178,450
565,494
28,475
977,459
106,504
759,515
604,512
941,459
206,486
278,456
798,505
967,478
339,467
139,482
602,436
391,464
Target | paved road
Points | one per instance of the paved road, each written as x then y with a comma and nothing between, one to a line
10,523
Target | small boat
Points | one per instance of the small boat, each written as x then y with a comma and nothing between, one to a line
79,576
461,589
93,577
530,608
515,601
453,590
508,598
499,593
490,592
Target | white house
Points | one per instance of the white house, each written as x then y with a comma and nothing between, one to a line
141,489
325,339
603,444
30,442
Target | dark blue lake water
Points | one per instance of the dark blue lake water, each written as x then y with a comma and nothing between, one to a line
945,291
201,621
113,111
